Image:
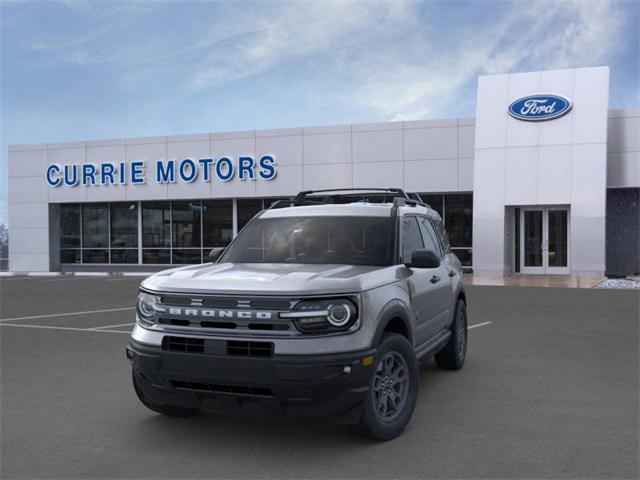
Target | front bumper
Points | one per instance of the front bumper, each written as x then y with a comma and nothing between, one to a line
292,385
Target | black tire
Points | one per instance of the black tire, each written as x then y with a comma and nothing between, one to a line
379,425
170,410
452,356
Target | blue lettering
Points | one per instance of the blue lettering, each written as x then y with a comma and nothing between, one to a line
224,177
70,180
165,174
123,173
246,166
193,170
137,172
267,168
88,174
206,164
106,173
51,169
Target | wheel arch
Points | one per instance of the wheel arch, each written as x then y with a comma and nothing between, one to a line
395,318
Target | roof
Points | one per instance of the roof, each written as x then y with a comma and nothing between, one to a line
356,209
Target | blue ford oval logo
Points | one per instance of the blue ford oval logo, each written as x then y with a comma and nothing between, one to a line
536,108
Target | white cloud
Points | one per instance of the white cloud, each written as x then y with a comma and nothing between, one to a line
526,36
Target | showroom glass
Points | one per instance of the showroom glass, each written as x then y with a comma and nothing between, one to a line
95,233
558,234
70,233
124,232
186,232
247,209
217,223
315,240
533,236
156,232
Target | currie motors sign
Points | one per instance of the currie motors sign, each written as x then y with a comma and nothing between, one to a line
187,170
540,107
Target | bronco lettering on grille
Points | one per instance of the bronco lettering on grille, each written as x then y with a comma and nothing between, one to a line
214,313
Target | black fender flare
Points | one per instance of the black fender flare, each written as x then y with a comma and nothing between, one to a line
393,309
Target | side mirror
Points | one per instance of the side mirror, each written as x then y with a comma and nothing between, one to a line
424,259
215,253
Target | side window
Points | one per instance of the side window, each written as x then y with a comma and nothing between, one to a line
430,237
411,238
444,238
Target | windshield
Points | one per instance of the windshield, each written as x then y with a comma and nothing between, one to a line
341,240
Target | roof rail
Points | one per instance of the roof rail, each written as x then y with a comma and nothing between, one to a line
400,197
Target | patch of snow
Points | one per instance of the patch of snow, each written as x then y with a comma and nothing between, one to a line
624,283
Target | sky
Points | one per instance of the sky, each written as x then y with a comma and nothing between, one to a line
75,70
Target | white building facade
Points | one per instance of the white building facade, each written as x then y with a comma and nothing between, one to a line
545,179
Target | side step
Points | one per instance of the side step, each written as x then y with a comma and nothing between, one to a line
438,341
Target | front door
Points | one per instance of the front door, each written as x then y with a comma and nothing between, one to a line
544,240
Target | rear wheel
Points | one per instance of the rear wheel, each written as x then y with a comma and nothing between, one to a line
170,410
393,390
452,356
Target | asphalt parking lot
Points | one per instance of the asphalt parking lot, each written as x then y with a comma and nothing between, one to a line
550,390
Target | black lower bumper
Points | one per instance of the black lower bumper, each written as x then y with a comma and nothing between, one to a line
310,385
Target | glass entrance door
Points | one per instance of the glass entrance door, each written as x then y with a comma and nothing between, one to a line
544,240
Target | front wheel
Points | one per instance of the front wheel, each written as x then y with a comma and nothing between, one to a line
393,390
452,356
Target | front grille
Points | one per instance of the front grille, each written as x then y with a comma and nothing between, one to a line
280,326
227,302
228,389
183,344
249,349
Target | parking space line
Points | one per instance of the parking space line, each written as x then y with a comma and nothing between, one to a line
49,327
479,325
113,326
88,312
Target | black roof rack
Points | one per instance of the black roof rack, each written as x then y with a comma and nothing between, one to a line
311,197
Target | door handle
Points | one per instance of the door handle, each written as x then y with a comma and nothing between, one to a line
452,273
435,279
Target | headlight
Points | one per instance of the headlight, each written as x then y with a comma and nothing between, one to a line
146,307
323,316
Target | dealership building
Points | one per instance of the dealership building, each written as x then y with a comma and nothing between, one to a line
545,179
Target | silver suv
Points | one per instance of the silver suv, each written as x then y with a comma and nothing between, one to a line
321,306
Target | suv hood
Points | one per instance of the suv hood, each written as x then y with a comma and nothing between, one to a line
271,279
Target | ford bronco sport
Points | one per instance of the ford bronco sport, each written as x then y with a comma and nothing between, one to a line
318,307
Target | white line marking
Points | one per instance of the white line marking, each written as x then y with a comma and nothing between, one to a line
67,314
478,325
113,326
48,327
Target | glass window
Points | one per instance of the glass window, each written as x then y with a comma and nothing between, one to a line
91,255
70,255
124,225
156,225
217,223
411,238
315,240
186,224
127,255
95,226
187,255
435,201
156,255
465,255
429,236
69,226
247,209
458,218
